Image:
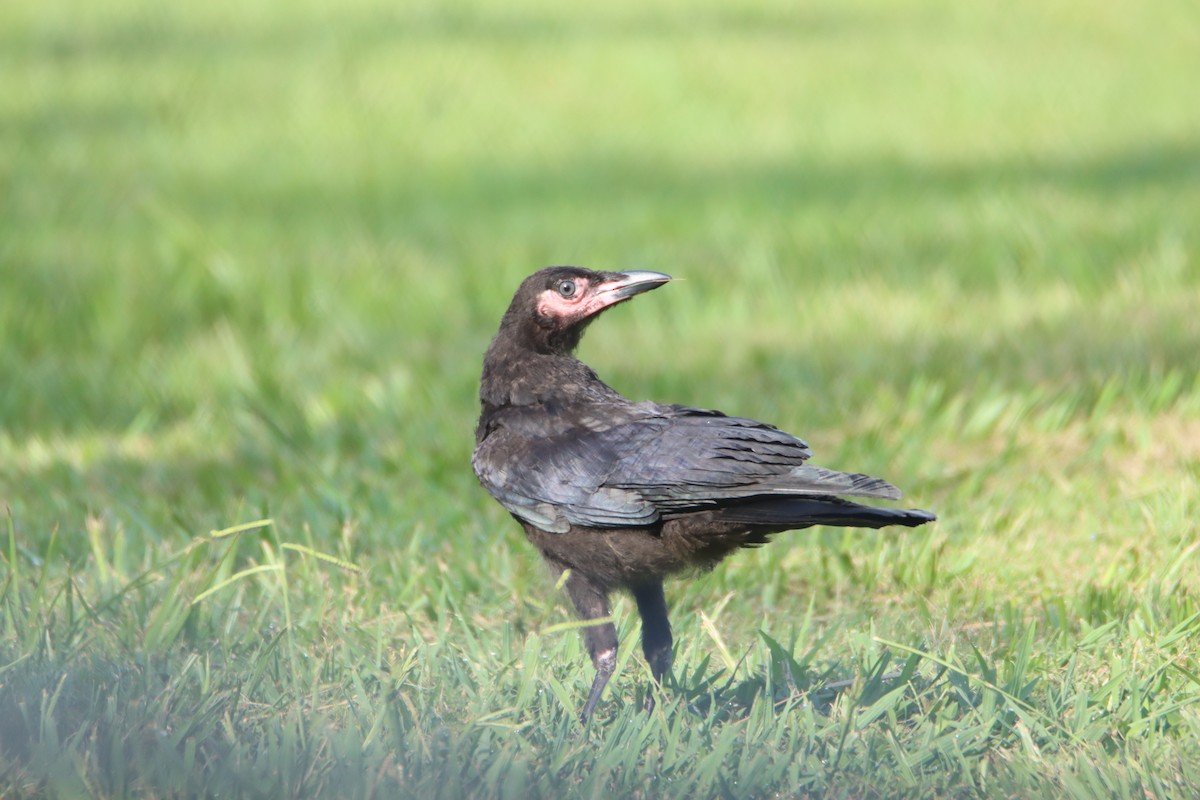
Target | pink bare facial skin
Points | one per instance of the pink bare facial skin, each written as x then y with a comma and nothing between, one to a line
582,303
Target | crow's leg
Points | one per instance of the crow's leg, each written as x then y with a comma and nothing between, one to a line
656,633
601,638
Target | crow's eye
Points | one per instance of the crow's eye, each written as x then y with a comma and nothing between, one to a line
566,288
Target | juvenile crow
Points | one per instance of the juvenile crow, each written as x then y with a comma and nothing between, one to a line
623,494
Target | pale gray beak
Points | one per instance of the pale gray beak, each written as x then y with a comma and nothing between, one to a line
628,284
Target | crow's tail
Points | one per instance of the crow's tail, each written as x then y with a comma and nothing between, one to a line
795,512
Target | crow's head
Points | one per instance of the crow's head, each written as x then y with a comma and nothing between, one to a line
553,306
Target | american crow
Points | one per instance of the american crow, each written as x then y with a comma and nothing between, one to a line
623,494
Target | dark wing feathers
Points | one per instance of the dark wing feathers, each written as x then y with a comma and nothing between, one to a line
636,464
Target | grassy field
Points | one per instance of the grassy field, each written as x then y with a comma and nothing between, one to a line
251,254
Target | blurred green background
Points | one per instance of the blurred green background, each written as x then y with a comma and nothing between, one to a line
251,254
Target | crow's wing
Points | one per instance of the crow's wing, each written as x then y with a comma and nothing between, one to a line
634,465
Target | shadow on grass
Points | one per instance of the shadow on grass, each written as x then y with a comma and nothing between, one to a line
788,681
160,35
83,383
400,200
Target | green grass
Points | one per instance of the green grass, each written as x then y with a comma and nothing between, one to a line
250,257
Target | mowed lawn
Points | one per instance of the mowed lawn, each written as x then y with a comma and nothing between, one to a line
251,254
